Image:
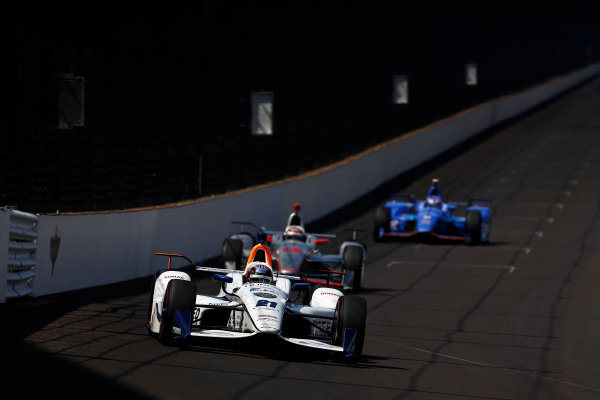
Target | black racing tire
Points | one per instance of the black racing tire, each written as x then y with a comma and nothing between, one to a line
473,226
307,295
352,260
382,219
351,312
231,250
179,295
156,275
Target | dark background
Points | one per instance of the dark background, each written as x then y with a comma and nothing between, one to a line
167,89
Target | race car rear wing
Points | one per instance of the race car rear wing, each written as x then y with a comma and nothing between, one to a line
171,255
322,235
476,200
323,277
242,223
473,201
410,197
219,270
238,271
315,235
458,204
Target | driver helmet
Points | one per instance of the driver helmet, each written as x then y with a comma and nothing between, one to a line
433,200
259,272
295,232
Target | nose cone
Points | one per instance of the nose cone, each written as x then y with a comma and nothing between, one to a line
268,328
268,315
427,222
290,257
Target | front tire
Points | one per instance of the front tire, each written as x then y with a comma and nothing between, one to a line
351,313
179,295
473,227
231,250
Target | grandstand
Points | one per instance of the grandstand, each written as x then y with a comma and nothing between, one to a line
112,107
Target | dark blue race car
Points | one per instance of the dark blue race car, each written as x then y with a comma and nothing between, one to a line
403,216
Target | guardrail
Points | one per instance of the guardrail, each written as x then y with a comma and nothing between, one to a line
18,238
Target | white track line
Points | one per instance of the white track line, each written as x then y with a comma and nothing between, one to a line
510,268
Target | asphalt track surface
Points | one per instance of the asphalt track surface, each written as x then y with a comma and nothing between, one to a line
516,319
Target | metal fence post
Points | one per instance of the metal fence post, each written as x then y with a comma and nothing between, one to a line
4,222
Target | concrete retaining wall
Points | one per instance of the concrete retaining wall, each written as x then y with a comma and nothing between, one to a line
102,248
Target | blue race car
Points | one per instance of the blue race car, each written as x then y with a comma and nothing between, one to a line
403,216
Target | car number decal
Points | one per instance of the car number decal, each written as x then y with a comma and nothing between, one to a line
266,303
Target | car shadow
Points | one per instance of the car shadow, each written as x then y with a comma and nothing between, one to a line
272,347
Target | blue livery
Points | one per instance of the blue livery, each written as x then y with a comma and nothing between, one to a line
403,216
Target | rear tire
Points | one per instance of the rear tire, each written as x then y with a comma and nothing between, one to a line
352,260
473,227
351,313
231,250
179,295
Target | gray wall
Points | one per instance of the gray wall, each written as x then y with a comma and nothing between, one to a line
102,248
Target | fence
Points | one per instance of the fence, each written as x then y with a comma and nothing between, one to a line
18,237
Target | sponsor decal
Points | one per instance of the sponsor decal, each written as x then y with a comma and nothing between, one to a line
262,288
292,249
264,291
267,316
172,277
324,325
265,295
196,315
331,294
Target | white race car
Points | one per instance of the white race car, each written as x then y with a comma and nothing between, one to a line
298,253
252,302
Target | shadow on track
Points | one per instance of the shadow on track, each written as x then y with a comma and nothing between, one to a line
261,347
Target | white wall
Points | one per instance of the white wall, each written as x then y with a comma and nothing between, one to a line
104,248
4,237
